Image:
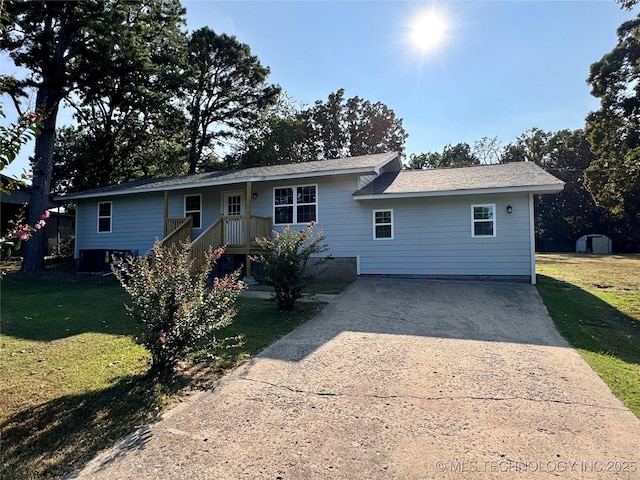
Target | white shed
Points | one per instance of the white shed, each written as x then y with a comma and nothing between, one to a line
593,243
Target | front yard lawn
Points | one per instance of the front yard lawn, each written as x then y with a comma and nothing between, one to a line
73,381
594,301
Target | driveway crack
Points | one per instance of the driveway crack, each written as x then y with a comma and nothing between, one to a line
428,398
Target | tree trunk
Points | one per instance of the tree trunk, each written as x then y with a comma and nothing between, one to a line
47,102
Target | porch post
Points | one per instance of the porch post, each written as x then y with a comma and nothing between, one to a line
248,232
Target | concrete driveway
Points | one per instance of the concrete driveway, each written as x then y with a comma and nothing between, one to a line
399,379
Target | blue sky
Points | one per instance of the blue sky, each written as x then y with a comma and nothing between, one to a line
503,67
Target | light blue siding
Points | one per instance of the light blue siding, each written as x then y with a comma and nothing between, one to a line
136,221
432,235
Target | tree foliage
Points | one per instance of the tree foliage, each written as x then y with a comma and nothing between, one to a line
334,128
128,122
225,88
458,155
354,126
613,178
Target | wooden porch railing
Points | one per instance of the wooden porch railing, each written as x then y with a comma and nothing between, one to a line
260,227
211,237
179,230
231,230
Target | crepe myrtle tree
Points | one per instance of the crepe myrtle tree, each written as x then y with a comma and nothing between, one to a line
286,259
177,310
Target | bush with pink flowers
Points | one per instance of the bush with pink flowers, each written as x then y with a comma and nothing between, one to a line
178,312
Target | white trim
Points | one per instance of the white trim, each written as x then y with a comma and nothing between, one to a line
473,191
474,220
294,220
532,239
184,207
110,217
382,224
223,204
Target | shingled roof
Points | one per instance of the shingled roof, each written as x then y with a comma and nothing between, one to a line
364,164
508,177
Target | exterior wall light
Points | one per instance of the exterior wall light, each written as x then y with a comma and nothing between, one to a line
509,209
254,195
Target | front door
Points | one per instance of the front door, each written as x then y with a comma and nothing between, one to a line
234,224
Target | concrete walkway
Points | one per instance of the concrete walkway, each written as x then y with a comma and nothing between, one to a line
398,379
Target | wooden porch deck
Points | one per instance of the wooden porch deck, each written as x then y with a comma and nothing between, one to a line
237,232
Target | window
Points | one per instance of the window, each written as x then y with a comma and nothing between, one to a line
300,207
104,217
483,220
382,224
193,209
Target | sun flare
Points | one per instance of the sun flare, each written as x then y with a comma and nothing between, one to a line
428,31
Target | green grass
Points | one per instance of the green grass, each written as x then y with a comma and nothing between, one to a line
73,381
595,304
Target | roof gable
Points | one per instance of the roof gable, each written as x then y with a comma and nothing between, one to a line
361,165
508,177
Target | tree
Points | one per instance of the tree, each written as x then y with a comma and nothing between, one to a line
12,138
564,217
531,146
613,178
284,140
354,127
45,37
487,150
458,155
124,99
225,88
336,128
282,134
627,4
424,161
66,45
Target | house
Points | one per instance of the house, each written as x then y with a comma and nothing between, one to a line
377,218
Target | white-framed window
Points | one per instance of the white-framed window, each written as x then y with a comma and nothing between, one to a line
295,204
483,220
104,217
193,209
383,224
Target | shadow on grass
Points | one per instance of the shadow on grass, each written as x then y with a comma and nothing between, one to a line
52,439
590,323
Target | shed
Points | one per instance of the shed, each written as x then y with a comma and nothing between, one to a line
593,243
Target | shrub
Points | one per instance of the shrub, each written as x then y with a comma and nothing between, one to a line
286,259
177,311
